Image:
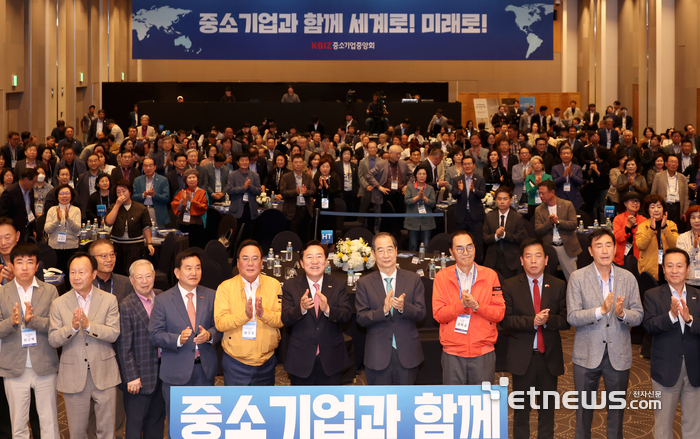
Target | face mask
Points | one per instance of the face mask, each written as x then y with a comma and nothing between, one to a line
40,178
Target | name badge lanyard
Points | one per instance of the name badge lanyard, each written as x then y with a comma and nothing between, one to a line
391,173
459,282
498,168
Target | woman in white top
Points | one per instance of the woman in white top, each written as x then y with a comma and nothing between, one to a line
690,242
42,188
63,226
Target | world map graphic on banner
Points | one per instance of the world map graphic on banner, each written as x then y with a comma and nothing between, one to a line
269,29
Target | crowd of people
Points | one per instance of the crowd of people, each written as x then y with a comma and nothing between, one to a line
119,333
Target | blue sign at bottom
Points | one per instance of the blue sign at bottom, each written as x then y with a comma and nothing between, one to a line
346,412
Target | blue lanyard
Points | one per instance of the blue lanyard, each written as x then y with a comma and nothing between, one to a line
459,282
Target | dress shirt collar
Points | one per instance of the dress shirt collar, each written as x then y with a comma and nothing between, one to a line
540,282
311,283
184,293
26,293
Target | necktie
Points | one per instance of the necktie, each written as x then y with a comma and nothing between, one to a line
317,302
540,337
388,288
435,174
503,220
193,317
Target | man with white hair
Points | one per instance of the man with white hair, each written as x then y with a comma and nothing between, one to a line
388,180
145,130
139,359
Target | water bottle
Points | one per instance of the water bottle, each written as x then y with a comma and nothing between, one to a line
278,267
580,226
227,199
596,225
515,201
608,224
88,228
431,270
421,252
272,196
93,232
328,267
443,260
449,197
290,250
270,259
351,277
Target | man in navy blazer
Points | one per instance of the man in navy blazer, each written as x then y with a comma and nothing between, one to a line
468,190
242,187
669,312
609,136
315,306
568,177
214,177
153,191
182,325
389,302
138,357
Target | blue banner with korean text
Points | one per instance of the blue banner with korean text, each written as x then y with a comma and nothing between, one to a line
349,30
342,412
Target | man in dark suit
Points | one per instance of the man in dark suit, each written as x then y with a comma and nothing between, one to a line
540,149
103,251
17,203
591,119
403,128
257,164
75,166
609,136
98,124
139,361
72,141
540,118
669,314
316,126
12,151
501,117
535,313
468,190
505,157
127,170
298,189
176,180
504,231
134,117
182,325
435,168
389,179
694,138
314,307
568,177
389,302
86,183
514,113
243,187
29,162
214,177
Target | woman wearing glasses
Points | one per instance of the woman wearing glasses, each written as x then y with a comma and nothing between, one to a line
63,226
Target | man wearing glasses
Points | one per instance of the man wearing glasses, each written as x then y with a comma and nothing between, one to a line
247,310
139,358
88,370
389,302
467,302
103,251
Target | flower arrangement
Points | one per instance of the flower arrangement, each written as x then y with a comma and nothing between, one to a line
262,198
353,254
447,161
489,202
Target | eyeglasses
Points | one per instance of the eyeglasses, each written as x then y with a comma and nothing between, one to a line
254,259
460,249
148,277
385,251
105,256
64,194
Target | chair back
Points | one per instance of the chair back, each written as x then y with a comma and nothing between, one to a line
47,255
280,241
440,242
167,256
217,252
268,225
585,217
360,232
212,273
631,264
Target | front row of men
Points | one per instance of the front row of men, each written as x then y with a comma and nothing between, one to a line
166,339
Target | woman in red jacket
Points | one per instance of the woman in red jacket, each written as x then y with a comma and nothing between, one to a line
189,205
625,227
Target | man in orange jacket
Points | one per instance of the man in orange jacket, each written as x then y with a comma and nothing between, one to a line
467,302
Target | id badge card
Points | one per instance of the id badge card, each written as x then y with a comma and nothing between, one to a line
30,217
101,210
696,272
628,247
71,183
347,185
245,197
39,208
555,235
421,209
250,330
538,200
186,217
324,203
462,323
218,187
301,201
495,187
14,163
62,237
671,198
28,337
661,256
394,185
567,187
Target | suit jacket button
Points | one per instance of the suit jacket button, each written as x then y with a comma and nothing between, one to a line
86,359
603,341
608,325
86,344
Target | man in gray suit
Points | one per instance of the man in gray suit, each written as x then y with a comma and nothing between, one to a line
367,164
479,153
555,223
602,346
390,302
85,322
243,186
389,179
215,177
28,361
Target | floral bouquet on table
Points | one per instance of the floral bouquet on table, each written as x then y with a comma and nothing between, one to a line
262,199
489,202
353,254
447,161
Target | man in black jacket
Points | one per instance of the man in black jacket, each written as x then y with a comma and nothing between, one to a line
535,313
17,203
504,231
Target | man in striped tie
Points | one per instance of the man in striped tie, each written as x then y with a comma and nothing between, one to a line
535,313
